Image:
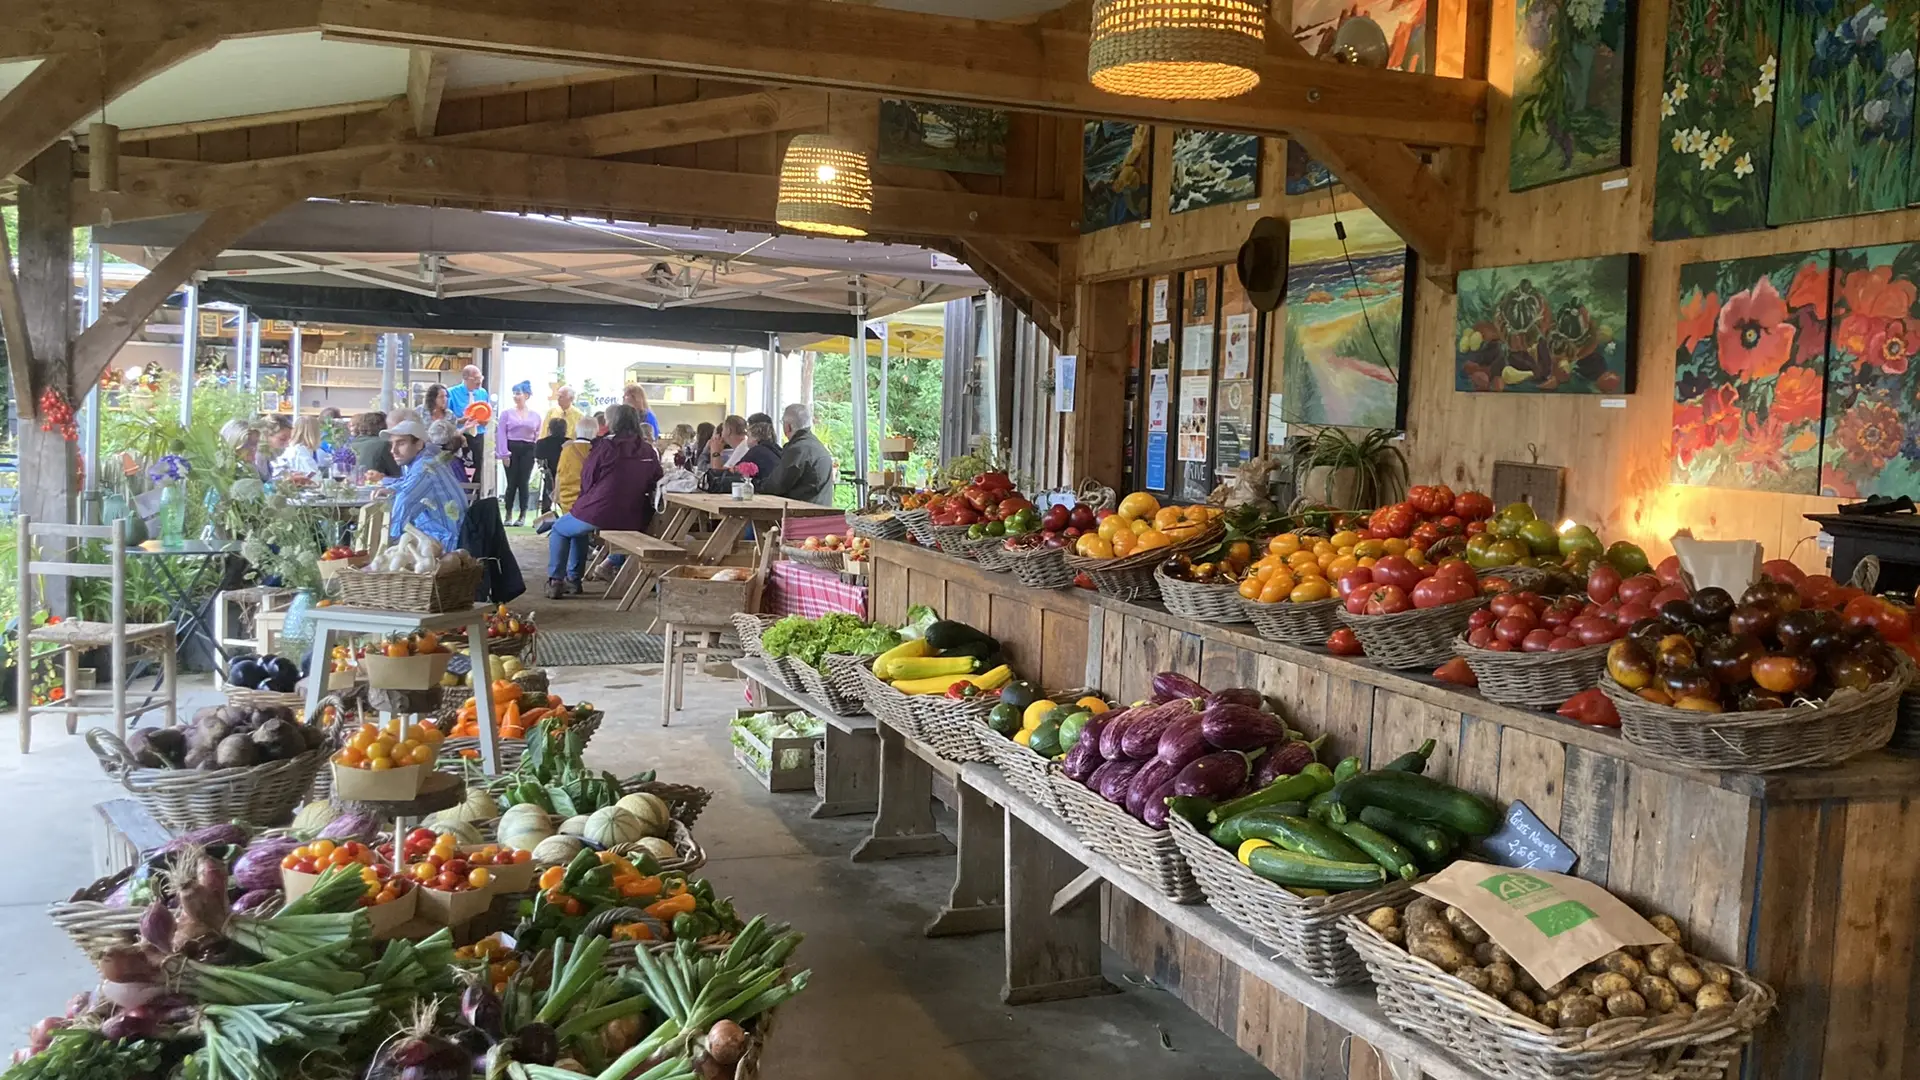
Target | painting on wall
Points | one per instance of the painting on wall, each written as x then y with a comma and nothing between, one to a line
1843,134
1315,22
1715,151
955,138
1213,167
1116,174
1570,65
1546,328
1346,343
1750,373
1872,444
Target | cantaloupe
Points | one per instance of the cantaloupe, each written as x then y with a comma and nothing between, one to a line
658,848
524,826
651,809
574,826
611,825
557,850
463,832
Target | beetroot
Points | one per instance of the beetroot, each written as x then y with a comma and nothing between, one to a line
1236,727
1142,738
1169,685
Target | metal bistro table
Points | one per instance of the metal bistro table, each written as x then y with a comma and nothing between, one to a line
190,577
731,516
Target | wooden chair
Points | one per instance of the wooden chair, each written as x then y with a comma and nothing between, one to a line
74,635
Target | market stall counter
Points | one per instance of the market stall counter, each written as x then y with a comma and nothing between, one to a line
1797,876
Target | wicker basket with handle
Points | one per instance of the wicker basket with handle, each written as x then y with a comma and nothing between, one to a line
748,628
688,855
186,799
951,539
1132,577
1296,624
991,553
822,558
1024,769
295,700
919,525
1849,723
1201,601
1149,854
449,589
885,525
1420,638
842,672
94,925
1534,679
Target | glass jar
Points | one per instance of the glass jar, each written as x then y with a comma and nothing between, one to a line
173,516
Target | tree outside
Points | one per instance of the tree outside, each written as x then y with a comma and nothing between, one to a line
915,389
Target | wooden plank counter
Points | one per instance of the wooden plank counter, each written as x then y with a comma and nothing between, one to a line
1806,877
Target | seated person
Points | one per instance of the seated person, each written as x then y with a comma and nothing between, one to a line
301,457
371,452
547,453
616,492
806,468
426,495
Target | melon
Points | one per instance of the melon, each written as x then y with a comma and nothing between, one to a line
480,805
315,816
524,826
658,848
648,807
557,850
574,826
611,825
463,832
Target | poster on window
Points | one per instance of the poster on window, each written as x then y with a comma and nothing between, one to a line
1233,430
1196,396
1160,300
1196,348
1237,358
1157,460
1157,402
1161,355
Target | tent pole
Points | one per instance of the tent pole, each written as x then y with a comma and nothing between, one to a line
189,345
242,374
733,380
293,372
494,374
90,414
857,369
383,354
886,345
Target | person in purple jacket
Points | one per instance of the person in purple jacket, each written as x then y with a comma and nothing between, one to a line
616,492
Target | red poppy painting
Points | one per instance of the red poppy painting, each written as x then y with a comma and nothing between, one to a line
1750,373
1872,378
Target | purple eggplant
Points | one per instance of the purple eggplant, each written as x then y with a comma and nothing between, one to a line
1216,776
1084,758
1110,781
1169,685
1182,740
1154,812
1236,727
1240,695
1142,739
1147,781
1114,729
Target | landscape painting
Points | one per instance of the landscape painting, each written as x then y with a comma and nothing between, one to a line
1116,174
1872,445
1346,343
1715,151
1570,67
1843,135
1315,22
1750,373
1546,328
1213,167
954,138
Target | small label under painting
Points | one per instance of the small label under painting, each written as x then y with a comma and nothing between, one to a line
1524,841
1613,403
1616,182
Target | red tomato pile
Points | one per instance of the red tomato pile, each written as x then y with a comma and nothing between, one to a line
318,856
445,869
1528,622
1395,584
990,497
1430,514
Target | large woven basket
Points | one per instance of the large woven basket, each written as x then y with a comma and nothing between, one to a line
1419,997
94,925
1538,579
444,590
1132,577
1024,769
991,553
951,539
890,706
689,856
885,525
748,628
1201,602
1849,723
821,558
842,694
1534,679
266,699
1149,854
919,525
1041,567
684,801
1304,930
1906,730
842,671
1296,624
186,799
1421,638
952,728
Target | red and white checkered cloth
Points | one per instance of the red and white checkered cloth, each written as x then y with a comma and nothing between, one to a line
796,589
797,529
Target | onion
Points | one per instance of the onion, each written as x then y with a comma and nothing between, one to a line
421,1055
726,1042
132,1024
128,964
131,995
536,1044
40,1035
480,1007
156,926
78,1004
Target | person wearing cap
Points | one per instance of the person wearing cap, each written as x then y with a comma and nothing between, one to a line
519,431
427,495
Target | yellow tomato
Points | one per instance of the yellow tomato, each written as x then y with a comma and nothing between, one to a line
1371,548
1395,545
1123,542
1283,545
1240,552
422,755
1367,561
1416,557
380,764
1341,565
1139,525
380,749
1345,538
1138,505
1272,593
1310,571
1322,547
1302,558
1199,515
1110,525
1093,546
1250,588
1151,539
1308,591
1166,517
1284,580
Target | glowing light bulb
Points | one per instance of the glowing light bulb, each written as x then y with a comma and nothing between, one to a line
826,173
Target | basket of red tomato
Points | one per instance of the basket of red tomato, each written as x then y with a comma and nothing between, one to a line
1405,611
1528,651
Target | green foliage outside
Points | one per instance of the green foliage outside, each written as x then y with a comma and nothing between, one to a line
915,389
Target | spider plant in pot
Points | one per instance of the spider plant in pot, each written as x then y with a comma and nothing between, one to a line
1336,469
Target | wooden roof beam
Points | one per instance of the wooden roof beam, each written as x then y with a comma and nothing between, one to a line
30,28
64,90
426,84
937,58
13,324
763,113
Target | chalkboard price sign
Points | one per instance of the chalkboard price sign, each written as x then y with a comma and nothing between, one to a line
1524,842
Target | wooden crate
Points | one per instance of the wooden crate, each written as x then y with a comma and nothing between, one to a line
689,595
789,761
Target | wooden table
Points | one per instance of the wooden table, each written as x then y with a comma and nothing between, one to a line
731,516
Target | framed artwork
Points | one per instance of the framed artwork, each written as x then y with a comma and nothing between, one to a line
1546,328
1843,137
1315,22
1872,444
956,138
1213,167
1346,329
1750,372
1570,66
1715,155
1116,174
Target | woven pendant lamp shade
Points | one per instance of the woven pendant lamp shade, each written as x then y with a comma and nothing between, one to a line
1177,49
825,187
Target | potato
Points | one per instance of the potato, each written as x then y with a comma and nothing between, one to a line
1662,957
1423,910
1621,964
1500,980
1445,954
1483,953
1626,1003
1475,977
1521,1004
1581,1012
1711,995
1686,978
1661,995
1395,935
1557,989
1605,986
1666,925
1525,980
1548,1013
1464,927
1383,919
1584,979
1681,1010
1434,932
1717,974
1539,994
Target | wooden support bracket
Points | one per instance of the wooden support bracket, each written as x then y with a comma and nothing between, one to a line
13,323
1075,891
426,85
63,90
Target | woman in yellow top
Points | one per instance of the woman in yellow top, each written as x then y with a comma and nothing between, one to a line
573,458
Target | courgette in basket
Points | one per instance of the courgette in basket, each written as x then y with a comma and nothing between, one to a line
1381,848
1287,789
1414,796
912,647
988,680
1432,845
1413,761
1252,824
1291,868
1290,831
926,667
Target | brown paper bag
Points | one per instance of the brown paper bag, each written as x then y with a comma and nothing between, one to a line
1552,924
1730,564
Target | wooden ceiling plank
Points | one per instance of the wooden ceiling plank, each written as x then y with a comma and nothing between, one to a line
629,131
30,28
65,90
426,85
156,187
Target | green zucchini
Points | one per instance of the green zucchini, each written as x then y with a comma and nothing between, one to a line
1348,768
1191,807
1381,848
1311,838
1258,823
1432,845
1286,789
1413,761
1320,805
1321,773
1415,796
1283,867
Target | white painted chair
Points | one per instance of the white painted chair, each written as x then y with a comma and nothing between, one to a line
74,635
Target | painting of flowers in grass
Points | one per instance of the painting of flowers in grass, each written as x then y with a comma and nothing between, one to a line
1873,418
1750,371
1315,24
1843,128
1569,89
1346,343
1546,328
1716,118
1212,167
1116,174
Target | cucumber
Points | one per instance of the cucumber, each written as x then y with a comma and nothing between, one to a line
1292,868
1381,848
1284,790
1415,796
1191,807
1432,845
1413,761
1252,825
1348,768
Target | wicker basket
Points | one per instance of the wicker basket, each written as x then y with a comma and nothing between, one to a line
684,801
842,672
93,924
991,553
1847,724
444,590
1201,602
506,645
882,526
1534,679
1132,577
842,695
951,539
1538,579
1296,624
890,706
186,799
1421,998
1421,638
820,558
1303,930
748,628
689,856
952,728
1024,769
1041,567
919,525
1149,854
266,699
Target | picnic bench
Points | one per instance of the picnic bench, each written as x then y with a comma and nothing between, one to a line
647,557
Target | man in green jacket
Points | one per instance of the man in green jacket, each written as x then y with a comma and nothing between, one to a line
806,468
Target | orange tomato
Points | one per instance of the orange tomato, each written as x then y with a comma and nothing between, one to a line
1344,538
1151,539
1310,590
552,876
1167,517
1091,546
1250,588
1272,592
1123,541
1199,514
429,641
1283,545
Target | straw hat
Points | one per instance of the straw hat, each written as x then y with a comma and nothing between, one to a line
1262,262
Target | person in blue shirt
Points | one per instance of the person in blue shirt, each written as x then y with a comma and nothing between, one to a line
426,494
458,398
636,396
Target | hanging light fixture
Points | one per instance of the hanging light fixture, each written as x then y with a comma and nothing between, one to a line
1176,49
825,187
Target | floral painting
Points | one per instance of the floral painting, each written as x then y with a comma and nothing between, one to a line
1873,416
1750,373
1116,174
1843,130
1717,94
1315,23
1569,89
957,138
1213,167
1346,344
1546,328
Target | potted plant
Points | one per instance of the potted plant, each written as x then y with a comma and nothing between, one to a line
1334,468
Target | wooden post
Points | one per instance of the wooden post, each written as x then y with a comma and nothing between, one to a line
1095,446
46,299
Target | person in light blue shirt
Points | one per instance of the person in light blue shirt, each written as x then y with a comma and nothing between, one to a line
458,398
426,494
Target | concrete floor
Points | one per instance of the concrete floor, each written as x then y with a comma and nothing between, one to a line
883,999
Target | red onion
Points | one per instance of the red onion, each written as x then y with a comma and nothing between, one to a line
480,1007
128,964
132,1024
421,1055
40,1035
78,1004
156,926
536,1044
726,1042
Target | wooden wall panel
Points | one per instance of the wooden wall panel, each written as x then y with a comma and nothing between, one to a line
1063,651
928,589
1873,946
1795,913
888,596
